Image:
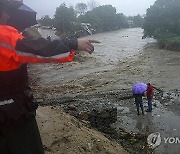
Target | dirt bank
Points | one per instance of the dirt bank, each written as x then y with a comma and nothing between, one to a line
63,134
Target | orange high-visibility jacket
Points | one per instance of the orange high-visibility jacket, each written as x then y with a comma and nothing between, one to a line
11,59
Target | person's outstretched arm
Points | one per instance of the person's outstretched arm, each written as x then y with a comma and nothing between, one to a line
41,50
62,49
45,48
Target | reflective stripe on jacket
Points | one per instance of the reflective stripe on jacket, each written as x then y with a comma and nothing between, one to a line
10,59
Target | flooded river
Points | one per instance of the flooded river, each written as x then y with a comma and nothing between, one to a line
115,46
120,44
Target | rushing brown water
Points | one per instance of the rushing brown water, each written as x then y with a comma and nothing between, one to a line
120,44
115,46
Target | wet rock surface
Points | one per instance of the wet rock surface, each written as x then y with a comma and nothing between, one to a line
99,109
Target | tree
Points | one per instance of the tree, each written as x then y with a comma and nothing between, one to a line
162,22
121,20
162,17
46,21
106,16
64,18
92,4
138,21
81,8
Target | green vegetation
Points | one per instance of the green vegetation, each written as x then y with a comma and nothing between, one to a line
81,8
162,22
64,18
104,18
67,20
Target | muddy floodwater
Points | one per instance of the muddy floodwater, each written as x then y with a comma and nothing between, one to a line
118,45
122,59
115,47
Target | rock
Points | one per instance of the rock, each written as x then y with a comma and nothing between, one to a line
84,115
133,141
155,105
102,119
71,107
40,100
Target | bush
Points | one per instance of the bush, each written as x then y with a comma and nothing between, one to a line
171,43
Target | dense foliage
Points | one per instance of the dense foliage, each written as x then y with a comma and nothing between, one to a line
64,18
46,21
162,22
102,18
81,8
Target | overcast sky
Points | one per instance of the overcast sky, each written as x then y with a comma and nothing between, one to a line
127,7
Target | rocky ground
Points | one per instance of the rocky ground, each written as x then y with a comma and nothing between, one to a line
67,85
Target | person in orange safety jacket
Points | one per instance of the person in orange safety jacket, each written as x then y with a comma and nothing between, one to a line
19,133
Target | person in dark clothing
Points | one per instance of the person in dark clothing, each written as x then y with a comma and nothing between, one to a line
19,133
139,103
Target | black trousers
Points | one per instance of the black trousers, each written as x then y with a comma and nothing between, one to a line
21,139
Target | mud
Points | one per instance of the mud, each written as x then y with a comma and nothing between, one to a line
108,75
